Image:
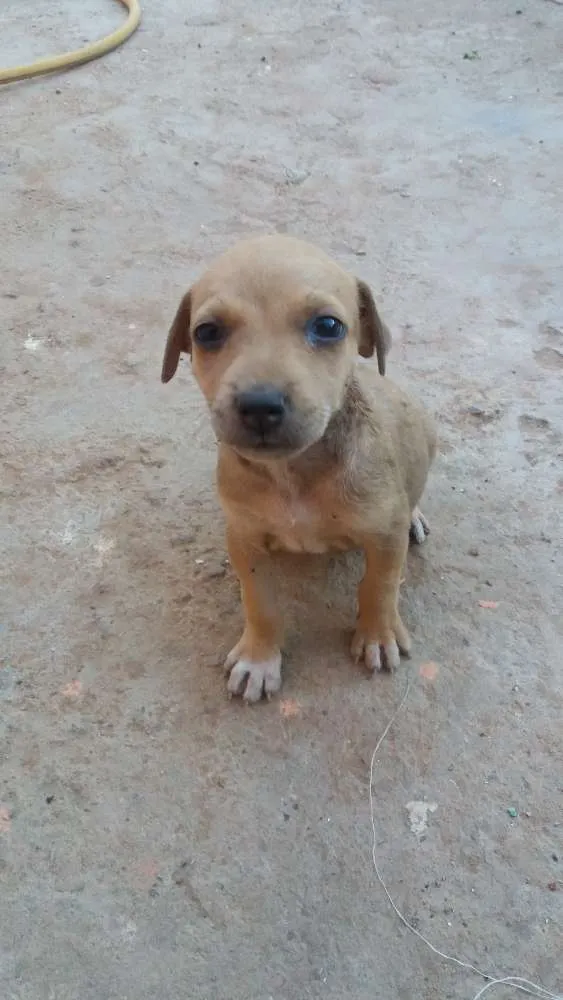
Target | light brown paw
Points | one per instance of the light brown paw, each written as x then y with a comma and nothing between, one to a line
253,678
378,654
419,528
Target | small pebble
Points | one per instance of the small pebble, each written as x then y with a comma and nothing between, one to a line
215,572
473,551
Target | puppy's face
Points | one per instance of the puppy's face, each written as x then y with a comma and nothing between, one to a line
273,329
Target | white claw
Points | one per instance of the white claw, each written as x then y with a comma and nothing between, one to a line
376,655
392,655
253,678
419,527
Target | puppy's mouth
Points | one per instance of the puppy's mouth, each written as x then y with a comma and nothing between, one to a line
262,421
266,451
264,446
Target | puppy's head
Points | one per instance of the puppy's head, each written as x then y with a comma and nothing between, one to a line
273,329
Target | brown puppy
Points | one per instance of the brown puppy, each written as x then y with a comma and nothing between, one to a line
309,461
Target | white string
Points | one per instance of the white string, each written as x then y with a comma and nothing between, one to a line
517,982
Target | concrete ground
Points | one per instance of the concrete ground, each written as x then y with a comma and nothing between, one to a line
157,840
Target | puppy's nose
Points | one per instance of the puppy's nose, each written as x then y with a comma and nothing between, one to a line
261,408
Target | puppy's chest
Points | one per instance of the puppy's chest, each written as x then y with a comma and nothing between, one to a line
293,521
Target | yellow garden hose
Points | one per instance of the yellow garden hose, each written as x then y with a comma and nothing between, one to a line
69,59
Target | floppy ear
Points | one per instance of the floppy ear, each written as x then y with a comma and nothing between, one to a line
178,339
374,333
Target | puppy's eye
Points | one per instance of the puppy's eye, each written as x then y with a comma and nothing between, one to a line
210,336
325,330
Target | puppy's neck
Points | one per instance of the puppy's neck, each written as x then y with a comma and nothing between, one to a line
346,426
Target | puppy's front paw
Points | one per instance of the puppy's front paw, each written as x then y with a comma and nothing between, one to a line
419,528
380,648
252,677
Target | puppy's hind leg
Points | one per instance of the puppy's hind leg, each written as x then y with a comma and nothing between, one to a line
419,527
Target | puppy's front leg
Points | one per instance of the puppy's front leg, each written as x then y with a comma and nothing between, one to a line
255,662
380,633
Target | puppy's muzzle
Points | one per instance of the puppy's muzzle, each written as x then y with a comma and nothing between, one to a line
261,409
